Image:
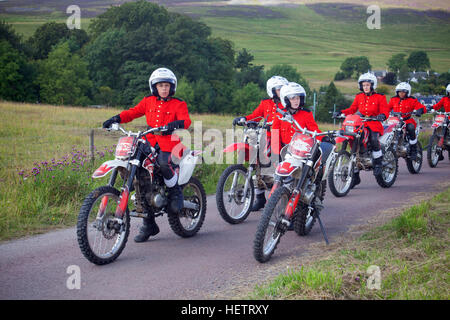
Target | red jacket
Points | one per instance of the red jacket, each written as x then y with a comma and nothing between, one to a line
444,102
406,105
267,108
371,106
286,130
159,113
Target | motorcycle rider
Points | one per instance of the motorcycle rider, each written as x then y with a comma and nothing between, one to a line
293,98
267,110
160,109
443,103
371,104
403,102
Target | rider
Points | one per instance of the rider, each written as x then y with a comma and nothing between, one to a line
445,103
266,109
293,99
160,109
371,104
404,103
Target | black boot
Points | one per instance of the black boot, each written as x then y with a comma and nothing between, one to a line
149,228
441,155
175,199
377,166
260,202
413,151
356,179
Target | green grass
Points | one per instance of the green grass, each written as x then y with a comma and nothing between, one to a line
411,252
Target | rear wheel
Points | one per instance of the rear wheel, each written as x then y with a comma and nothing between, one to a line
390,169
432,151
188,221
270,228
340,178
415,166
233,205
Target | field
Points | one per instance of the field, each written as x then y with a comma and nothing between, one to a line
315,38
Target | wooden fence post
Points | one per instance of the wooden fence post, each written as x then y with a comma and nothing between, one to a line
91,145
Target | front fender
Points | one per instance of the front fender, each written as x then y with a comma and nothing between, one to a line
107,167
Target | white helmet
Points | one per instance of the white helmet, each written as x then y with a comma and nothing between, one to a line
367,77
290,90
448,89
162,75
405,87
274,83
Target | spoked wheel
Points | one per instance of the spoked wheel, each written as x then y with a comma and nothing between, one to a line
390,169
415,166
233,202
304,218
433,151
270,228
102,236
340,178
188,221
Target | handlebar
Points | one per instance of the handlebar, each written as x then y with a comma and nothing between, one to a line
117,127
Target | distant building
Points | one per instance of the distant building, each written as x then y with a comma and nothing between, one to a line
380,74
420,75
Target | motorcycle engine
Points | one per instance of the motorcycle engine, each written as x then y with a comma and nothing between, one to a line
308,194
156,198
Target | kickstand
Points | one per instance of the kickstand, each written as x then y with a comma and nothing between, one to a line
322,228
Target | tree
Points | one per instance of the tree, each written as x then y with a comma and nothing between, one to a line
16,75
45,37
403,74
243,59
247,98
7,33
327,102
396,62
418,61
64,78
355,64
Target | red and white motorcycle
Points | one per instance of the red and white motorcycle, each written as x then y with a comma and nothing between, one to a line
298,190
104,219
440,139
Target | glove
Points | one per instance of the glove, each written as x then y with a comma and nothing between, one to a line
172,126
381,117
336,114
419,112
237,120
107,124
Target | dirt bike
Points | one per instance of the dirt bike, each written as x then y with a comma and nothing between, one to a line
341,177
440,139
400,142
104,219
298,190
235,191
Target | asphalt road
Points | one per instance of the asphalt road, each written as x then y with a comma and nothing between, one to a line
170,267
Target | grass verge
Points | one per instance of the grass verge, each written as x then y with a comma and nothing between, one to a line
409,255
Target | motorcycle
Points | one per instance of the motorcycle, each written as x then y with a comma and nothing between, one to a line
400,142
297,192
440,139
104,220
235,191
341,177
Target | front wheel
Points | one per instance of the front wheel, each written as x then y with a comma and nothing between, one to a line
390,169
233,202
188,221
432,152
340,178
102,236
270,227
415,166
